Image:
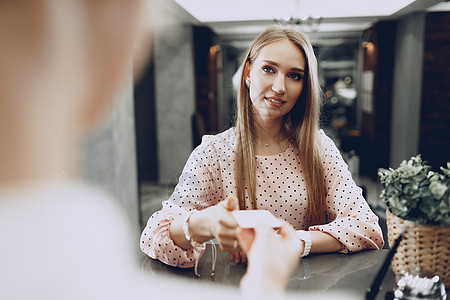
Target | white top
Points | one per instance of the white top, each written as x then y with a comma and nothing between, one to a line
66,240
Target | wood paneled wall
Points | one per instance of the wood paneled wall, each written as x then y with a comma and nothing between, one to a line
375,125
434,140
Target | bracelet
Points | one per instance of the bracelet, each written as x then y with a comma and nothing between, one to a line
306,237
187,233
198,247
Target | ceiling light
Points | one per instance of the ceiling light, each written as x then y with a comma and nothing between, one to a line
248,10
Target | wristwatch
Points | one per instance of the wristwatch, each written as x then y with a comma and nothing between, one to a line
306,237
187,234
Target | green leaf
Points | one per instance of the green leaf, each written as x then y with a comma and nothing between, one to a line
437,189
414,192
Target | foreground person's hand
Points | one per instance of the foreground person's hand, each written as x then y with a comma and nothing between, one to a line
271,258
238,256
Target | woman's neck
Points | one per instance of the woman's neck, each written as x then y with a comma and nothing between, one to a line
271,136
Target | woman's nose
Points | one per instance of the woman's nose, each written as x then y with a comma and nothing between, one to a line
278,85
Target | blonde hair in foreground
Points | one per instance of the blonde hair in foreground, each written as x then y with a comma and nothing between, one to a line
301,123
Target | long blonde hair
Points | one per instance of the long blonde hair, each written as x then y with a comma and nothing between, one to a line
301,123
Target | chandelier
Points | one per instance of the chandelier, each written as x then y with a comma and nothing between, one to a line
299,18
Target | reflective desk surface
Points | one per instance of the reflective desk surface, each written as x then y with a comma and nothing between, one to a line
315,273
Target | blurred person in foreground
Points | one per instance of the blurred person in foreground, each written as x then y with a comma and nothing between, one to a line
60,238
59,63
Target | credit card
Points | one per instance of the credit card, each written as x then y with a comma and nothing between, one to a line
251,218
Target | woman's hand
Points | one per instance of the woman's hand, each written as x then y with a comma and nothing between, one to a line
217,222
213,222
271,257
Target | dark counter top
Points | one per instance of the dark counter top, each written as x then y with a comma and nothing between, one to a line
315,273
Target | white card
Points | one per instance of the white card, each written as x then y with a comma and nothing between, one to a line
251,218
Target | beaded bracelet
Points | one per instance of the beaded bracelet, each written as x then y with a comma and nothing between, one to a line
198,247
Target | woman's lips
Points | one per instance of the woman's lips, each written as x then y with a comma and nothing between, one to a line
274,101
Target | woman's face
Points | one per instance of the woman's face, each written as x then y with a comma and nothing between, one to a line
276,79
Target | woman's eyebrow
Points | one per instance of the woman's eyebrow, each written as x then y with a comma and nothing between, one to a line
296,69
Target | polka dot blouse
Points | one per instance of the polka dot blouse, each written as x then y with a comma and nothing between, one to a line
208,178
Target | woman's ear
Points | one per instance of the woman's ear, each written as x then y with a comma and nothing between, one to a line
246,71
246,74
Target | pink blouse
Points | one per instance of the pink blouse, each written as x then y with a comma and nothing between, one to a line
208,178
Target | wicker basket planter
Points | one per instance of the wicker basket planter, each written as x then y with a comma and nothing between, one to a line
423,245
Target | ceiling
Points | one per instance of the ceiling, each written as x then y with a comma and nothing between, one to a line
237,22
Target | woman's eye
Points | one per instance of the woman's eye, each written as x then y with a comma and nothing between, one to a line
268,69
295,76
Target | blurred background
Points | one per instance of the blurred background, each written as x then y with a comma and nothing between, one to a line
386,81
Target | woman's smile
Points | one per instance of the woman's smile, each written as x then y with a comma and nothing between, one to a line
275,101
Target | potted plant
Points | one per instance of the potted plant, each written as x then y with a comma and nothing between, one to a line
413,193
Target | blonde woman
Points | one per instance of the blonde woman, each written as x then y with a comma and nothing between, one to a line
275,158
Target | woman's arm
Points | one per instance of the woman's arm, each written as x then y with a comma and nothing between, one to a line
352,222
323,242
199,190
196,190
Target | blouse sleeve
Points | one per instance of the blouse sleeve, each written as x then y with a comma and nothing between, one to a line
197,189
351,221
